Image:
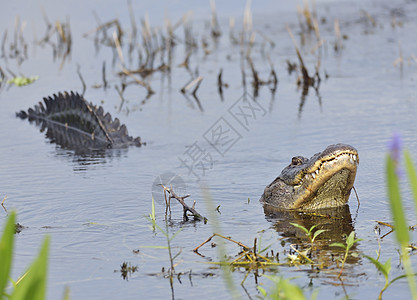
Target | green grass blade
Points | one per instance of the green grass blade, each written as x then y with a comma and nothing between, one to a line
176,233
311,228
262,291
300,226
401,228
383,268
33,285
264,249
67,293
155,247
6,251
283,289
387,266
412,176
338,245
317,232
162,231
350,239
292,291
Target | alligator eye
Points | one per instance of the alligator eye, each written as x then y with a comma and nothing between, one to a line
296,161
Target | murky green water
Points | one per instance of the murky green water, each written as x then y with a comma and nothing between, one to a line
94,207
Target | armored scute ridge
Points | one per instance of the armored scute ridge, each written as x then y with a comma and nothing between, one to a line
74,123
323,181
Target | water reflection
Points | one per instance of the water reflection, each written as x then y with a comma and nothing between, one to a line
337,223
79,148
88,160
304,93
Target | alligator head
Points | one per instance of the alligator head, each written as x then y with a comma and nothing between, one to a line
323,181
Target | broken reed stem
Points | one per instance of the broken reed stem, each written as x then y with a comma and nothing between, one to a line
400,59
300,58
82,80
2,203
104,26
122,99
194,93
220,83
274,76
195,81
370,18
247,18
103,70
186,208
137,80
246,248
215,28
301,254
118,47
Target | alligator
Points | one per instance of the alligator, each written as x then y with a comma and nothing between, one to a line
323,181
74,123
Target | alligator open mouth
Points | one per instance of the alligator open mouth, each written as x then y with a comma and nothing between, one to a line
323,181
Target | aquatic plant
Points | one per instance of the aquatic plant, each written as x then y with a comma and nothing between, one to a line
32,284
309,232
385,269
393,172
22,81
350,241
152,215
171,270
284,289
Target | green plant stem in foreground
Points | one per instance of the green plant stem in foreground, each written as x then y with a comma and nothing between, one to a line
400,223
31,285
221,248
6,252
350,241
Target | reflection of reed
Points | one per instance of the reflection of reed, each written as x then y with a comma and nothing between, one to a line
61,49
17,49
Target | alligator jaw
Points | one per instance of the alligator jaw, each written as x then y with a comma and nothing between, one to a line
328,182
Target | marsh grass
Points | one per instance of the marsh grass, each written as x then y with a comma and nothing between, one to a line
283,289
169,238
309,232
32,284
393,172
350,241
221,247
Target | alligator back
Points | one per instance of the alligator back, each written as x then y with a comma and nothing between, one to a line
72,122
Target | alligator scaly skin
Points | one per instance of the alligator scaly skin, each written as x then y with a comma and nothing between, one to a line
74,123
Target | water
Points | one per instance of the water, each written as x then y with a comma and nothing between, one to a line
94,208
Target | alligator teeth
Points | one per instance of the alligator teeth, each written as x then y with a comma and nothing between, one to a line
317,172
314,175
